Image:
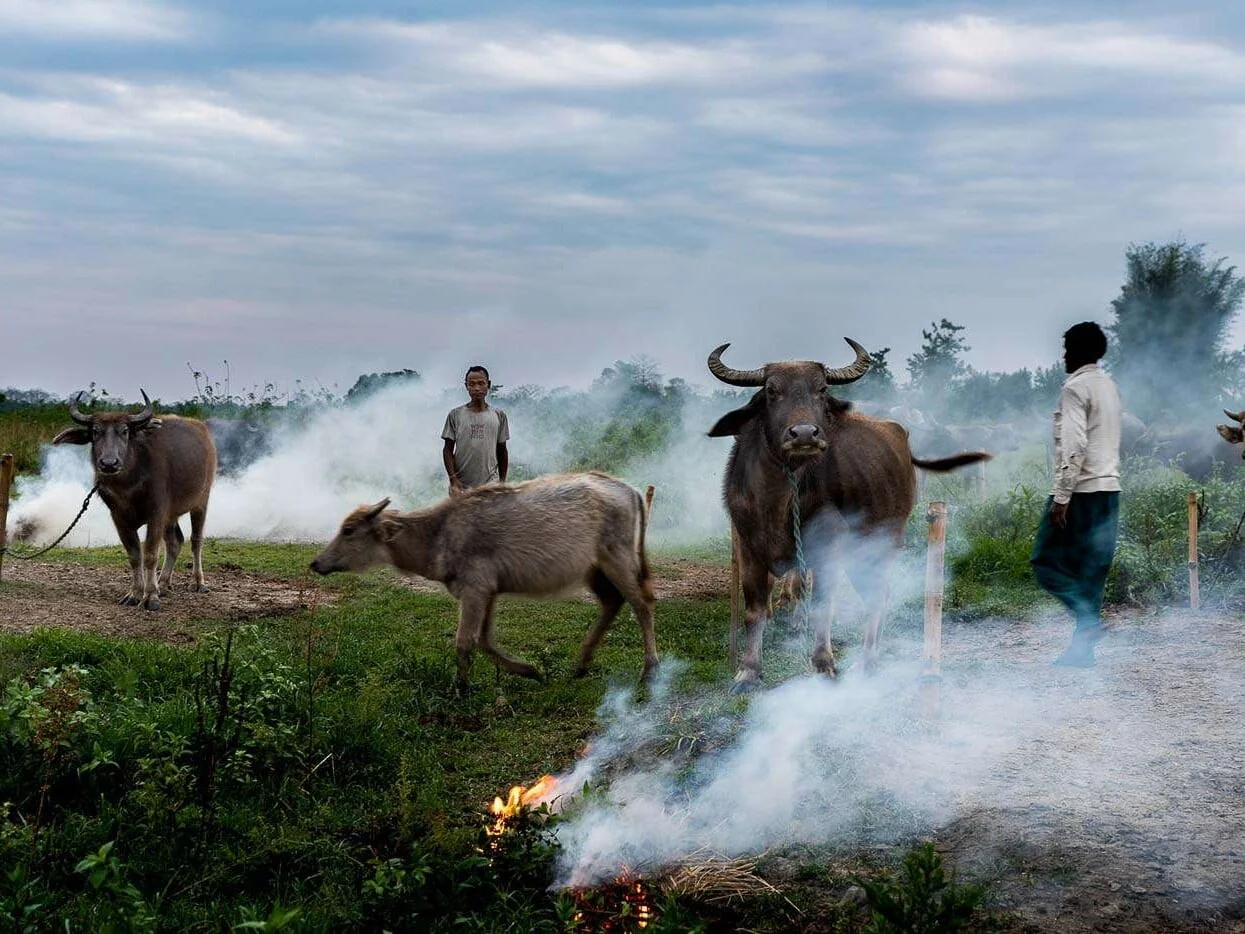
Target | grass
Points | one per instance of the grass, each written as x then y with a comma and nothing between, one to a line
345,779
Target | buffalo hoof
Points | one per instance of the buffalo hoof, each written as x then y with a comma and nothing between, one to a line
580,671
649,672
129,600
152,604
746,683
201,588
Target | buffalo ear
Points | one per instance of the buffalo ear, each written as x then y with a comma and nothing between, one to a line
1233,434
732,423
73,436
389,529
837,406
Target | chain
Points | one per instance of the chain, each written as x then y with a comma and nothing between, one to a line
8,551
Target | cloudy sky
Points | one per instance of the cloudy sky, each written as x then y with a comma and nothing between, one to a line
327,188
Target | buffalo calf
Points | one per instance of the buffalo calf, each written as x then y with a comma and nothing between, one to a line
540,538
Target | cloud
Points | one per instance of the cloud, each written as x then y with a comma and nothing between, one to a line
974,58
131,20
519,56
100,109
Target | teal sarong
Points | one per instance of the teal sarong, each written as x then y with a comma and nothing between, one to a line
1071,563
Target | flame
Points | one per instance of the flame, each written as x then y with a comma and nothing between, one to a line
518,798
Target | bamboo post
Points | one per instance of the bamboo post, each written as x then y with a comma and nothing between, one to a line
648,498
7,468
736,600
931,655
1195,597
981,480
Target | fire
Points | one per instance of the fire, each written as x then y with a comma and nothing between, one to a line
518,798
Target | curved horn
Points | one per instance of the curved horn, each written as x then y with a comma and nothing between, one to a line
76,415
734,377
143,417
1235,416
376,510
849,374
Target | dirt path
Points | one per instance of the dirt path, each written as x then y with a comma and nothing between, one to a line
1120,803
40,593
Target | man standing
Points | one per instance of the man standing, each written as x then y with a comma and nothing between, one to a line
475,437
1076,539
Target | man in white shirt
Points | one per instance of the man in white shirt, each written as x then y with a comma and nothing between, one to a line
475,437
1076,539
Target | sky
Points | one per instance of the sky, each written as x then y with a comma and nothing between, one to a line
316,190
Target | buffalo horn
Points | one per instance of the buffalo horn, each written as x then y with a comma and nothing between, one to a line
142,418
376,510
849,374
76,415
734,377
1235,416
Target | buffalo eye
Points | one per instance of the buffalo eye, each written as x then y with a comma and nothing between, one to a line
773,391
347,530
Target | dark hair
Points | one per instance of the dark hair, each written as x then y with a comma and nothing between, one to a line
1085,341
477,369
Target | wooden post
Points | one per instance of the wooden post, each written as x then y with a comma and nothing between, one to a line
981,480
648,498
931,656
1195,597
737,599
7,468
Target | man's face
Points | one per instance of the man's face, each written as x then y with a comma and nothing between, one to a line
477,386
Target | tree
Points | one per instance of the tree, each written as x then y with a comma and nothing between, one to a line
370,383
1171,320
937,365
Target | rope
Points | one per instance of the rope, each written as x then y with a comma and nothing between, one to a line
8,551
801,563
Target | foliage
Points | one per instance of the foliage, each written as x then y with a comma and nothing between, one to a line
370,383
920,898
938,364
1173,313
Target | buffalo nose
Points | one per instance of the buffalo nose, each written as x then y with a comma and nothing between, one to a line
803,434
315,565
109,463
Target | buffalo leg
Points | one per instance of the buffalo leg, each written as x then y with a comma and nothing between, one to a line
130,542
756,605
472,611
173,539
870,581
623,570
513,665
197,518
150,561
612,601
825,590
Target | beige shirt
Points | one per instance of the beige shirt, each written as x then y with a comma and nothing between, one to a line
476,436
1087,434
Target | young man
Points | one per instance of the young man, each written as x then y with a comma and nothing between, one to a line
1076,539
475,438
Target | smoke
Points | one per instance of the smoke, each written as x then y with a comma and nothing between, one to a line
1107,757
390,444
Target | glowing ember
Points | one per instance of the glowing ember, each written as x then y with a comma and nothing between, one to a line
519,798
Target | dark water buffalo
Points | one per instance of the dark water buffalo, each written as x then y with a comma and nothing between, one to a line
1233,434
856,488
239,443
150,472
539,537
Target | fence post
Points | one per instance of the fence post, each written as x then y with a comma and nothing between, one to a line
736,600
931,655
7,468
1195,597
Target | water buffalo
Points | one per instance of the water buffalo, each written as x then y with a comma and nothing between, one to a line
539,537
856,488
1233,434
239,443
150,472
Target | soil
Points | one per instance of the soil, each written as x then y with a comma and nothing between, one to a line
69,596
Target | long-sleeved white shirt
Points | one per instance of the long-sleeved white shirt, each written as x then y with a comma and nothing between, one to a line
1087,434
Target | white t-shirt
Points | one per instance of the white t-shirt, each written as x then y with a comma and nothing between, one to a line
1087,434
